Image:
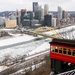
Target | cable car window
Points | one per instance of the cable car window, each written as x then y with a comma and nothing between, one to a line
60,50
52,48
64,50
73,53
69,52
56,49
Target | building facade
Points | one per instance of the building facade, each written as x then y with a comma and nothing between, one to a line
35,4
10,23
18,17
53,22
48,20
46,9
23,11
60,13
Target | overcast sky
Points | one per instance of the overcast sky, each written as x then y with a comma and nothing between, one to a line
68,5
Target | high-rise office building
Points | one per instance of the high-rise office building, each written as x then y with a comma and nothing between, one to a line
59,13
48,20
35,4
34,22
18,17
53,22
27,18
31,14
37,12
23,11
64,14
42,13
46,9
26,22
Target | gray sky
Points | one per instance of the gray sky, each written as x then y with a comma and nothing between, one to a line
68,5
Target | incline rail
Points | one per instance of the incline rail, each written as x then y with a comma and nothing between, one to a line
72,72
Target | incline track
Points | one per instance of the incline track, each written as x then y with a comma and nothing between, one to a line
72,72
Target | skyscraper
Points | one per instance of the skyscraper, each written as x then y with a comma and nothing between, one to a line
42,13
23,11
31,14
37,10
46,9
48,20
38,13
53,22
35,4
18,17
59,13
64,14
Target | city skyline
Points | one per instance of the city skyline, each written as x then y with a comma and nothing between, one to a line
10,5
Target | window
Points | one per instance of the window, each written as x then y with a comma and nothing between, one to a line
73,53
60,50
52,48
64,51
69,52
56,49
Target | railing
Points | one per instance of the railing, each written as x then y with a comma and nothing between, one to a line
72,72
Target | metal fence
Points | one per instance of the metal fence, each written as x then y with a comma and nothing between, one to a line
72,72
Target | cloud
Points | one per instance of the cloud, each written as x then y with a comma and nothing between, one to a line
14,4
53,4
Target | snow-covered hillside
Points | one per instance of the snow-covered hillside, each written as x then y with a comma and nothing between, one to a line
64,33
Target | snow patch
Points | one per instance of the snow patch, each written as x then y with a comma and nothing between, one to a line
3,68
41,48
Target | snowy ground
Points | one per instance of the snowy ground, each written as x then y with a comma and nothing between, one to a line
14,40
33,67
3,68
24,49
42,47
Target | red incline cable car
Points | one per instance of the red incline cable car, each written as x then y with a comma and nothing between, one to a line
62,54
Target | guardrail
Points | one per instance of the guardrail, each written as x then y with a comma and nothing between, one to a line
71,72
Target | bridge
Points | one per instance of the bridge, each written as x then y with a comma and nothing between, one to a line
53,32
41,31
